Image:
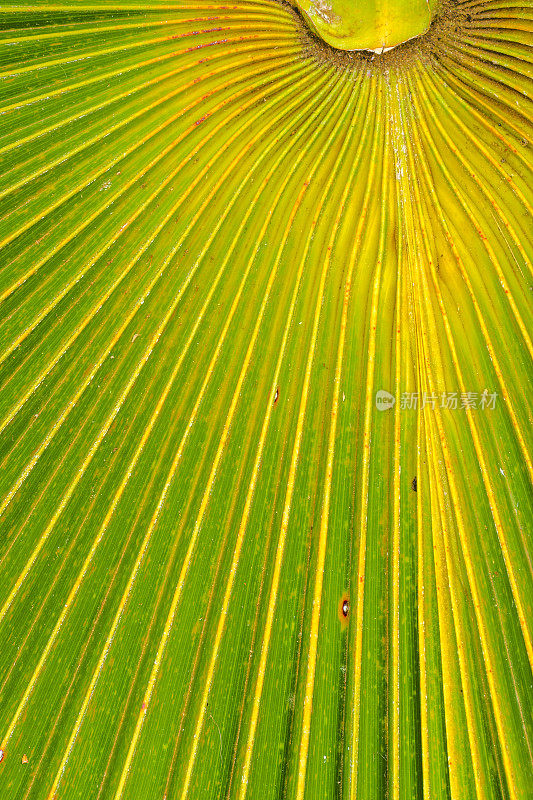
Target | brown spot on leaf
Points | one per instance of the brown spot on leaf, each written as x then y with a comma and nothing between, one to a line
343,609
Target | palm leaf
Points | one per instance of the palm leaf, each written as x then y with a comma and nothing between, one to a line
225,569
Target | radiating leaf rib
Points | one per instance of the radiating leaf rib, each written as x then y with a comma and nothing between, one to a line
143,248
249,497
482,465
317,596
212,477
290,485
224,572
139,448
443,558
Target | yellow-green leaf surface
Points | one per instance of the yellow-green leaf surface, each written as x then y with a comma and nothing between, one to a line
367,24
226,569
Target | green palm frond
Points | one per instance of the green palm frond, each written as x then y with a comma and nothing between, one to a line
265,405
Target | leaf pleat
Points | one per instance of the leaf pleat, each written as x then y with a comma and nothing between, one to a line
225,571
